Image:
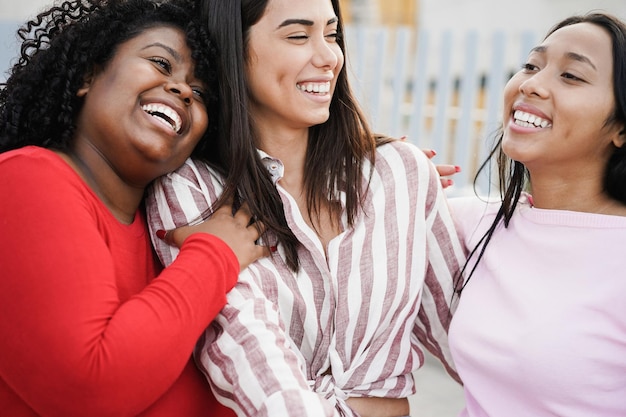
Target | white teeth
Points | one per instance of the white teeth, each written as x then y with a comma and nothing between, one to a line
319,88
165,114
529,120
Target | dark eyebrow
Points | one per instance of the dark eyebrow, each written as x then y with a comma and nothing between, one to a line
539,49
305,22
580,58
570,55
169,49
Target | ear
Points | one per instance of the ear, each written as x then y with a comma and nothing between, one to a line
82,92
89,77
620,137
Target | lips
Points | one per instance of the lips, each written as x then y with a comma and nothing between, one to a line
165,114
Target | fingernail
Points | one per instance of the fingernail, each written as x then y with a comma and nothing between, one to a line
161,234
457,168
450,182
434,152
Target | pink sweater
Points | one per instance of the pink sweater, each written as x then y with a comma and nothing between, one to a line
541,327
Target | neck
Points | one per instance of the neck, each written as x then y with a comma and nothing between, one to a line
290,147
121,199
584,195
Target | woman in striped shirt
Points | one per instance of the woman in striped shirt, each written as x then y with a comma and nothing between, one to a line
365,252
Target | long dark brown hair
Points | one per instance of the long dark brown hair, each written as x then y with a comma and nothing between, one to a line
336,151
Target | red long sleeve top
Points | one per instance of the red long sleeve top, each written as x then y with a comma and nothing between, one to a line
89,325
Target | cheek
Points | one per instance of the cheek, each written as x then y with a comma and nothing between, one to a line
200,125
340,59
263,76
201,119
510,93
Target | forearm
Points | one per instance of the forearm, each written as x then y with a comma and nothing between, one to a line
70,330
251,362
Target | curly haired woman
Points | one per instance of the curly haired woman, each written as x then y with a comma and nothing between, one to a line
106,97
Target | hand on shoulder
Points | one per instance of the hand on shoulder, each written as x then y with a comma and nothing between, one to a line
237,230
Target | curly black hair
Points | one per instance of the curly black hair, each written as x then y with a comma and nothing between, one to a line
61,47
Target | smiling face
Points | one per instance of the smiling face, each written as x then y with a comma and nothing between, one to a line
293,62
556,108
143,113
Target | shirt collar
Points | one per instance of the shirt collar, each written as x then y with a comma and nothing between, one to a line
274,166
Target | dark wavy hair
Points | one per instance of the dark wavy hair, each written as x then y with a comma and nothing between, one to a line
61,47
337,149
513,175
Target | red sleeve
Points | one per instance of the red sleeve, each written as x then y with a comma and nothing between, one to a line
85,329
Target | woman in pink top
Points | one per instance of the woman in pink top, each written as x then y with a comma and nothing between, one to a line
541,325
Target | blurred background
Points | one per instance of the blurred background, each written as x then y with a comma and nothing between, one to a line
432,70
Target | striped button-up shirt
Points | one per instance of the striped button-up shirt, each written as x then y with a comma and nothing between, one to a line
350,322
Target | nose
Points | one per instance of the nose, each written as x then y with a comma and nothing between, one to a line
535,85
325,55
182,90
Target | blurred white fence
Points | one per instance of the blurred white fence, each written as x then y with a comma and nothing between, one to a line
441,90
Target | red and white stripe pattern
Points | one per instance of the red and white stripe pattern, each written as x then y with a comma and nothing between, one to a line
348,323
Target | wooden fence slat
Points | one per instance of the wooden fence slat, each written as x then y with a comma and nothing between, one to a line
399,80
419,87
443,92
494,84
377,58
464,135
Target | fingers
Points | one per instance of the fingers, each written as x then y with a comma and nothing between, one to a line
430,153
174,237
239,230
225,210
442,169
445,182
244,209
244,214
165,236
260,227
264,252
445,170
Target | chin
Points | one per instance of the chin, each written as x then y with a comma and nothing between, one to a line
320,119
516,153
